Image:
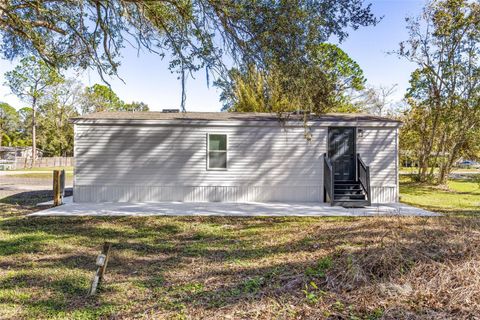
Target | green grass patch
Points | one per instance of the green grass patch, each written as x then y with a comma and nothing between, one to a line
413,170
459,197
320,269
38,175
45,169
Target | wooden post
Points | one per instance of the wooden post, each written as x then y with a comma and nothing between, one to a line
106,252
62,185
102,261
56,188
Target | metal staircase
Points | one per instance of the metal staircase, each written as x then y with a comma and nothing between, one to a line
355,193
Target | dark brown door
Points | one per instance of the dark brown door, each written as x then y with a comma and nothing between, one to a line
341,150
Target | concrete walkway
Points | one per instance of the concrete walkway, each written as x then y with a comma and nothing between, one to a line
228,209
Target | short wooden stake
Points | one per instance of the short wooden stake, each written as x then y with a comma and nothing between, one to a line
62,185
56,188
102,261
106,253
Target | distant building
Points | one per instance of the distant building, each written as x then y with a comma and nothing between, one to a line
11,156
11,153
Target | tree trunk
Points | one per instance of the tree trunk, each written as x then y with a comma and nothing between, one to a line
422,168
443,175
447,167
34,132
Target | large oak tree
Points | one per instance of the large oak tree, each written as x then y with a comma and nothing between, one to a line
196,33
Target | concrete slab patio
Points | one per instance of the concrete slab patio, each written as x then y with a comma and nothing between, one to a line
229,209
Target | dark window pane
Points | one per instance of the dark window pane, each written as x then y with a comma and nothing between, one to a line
217,142
217,160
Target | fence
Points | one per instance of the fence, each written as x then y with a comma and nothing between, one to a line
21,163
7,165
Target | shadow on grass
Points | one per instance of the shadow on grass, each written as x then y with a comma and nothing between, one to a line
217,262
31,198
46,296
25,243
351,269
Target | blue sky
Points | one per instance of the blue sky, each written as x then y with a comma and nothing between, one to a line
148,79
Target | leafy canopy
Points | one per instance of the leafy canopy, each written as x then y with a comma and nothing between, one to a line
444,94
8,116
8,122
98,98
196,33
323,84
30,79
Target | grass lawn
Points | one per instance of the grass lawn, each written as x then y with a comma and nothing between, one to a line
407,170
245,268
46,169
38,175
461,196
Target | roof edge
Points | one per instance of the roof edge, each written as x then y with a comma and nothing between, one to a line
249,123
229,116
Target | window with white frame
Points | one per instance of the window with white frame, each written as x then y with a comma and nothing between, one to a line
216,151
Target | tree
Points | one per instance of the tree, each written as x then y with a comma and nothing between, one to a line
323,83
444,93
23,136
8,121
251,90
135,106
99,98
377,100
196,34
29,81
55,133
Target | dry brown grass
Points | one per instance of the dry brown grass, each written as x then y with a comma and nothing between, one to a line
417,268
241,268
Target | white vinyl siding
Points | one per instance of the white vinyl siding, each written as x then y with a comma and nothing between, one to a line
167,163
154,162
378,148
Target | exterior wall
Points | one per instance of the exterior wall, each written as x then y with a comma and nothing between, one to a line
156,162
140,163
378,148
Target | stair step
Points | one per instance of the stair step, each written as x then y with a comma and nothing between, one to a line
351,203
348,191
357,187
349,197
347,184
344,187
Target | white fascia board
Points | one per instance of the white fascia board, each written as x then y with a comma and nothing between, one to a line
256,123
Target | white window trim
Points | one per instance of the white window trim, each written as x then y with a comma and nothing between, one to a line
208,150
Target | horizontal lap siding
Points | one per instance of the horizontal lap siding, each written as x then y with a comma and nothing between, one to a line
378,148
168,163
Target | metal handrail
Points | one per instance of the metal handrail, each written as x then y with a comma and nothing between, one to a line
328,183
363,172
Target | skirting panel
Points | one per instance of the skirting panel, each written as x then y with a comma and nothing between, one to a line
384,194
116,193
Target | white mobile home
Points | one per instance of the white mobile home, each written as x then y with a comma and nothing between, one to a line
349,159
